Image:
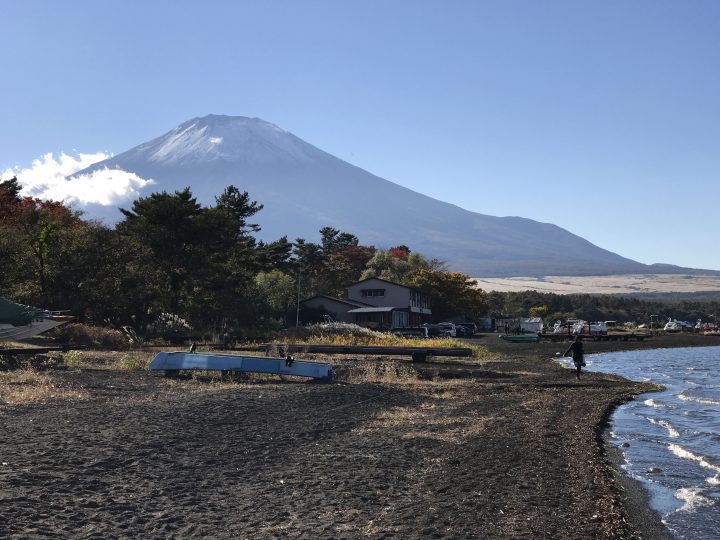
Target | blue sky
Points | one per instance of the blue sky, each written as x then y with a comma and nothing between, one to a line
600,117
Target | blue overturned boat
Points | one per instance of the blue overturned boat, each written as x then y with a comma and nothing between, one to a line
173,362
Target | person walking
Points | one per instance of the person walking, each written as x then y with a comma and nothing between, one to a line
578,354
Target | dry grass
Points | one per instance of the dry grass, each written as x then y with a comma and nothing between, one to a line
74,359
124,360
388,372
390,340
437,419
26,386
92,336
134,361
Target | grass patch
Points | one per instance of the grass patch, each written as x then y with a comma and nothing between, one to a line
443,417
134,361
25,386
345,334
378,372
74,359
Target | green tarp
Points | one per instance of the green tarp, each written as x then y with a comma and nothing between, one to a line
16,314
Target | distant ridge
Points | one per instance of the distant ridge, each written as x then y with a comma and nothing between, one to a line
304,188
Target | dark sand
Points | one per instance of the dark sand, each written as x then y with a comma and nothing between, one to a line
514,452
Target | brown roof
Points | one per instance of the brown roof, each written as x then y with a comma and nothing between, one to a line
353,303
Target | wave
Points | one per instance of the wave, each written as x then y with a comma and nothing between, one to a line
681,452
652,403
704,401
667,425
692,499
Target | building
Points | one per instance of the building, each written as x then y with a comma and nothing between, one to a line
376,303
336,308
531,324
518,324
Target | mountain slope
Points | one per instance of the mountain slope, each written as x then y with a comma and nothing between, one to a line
304,189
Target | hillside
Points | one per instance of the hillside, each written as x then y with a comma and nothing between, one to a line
304,188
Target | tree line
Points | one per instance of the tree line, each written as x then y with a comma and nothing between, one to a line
172,262
552,307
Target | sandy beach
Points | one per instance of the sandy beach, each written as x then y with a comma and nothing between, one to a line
510,447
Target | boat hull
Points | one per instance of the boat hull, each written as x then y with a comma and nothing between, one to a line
177,361
521,338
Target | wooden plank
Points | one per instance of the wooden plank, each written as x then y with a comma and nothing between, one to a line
369,349
25,351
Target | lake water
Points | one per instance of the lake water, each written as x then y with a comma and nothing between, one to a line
671,439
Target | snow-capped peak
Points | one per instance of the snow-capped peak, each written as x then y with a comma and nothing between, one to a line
227,138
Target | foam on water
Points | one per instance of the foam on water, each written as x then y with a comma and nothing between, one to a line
652,403
681,452
692,499
704,401
664,423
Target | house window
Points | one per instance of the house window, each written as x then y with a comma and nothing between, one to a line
372,292
419,300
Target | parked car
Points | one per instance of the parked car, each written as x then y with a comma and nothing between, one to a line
414,331
469,327
461,331
447,329
434,330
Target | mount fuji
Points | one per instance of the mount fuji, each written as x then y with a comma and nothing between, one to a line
304,189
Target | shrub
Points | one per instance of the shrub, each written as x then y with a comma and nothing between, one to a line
347,330
92,336
171,328
134,361
132,336
74,359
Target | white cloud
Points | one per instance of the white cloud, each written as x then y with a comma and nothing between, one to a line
47,179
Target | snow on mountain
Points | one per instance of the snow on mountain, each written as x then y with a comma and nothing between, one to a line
304,189
236,139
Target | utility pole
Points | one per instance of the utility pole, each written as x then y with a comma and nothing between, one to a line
297,311
653,317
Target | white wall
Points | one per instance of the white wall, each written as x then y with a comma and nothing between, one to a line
395,295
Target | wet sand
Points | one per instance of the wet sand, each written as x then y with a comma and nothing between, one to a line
513,450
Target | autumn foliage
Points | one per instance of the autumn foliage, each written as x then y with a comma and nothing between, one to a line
170,255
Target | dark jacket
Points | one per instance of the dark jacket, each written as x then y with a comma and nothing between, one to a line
578,355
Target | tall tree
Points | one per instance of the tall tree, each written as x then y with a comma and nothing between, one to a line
452,293
396,265
31,232
166,228
345,266
333,239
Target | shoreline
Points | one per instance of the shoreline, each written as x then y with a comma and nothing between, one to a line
635,498
505,447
